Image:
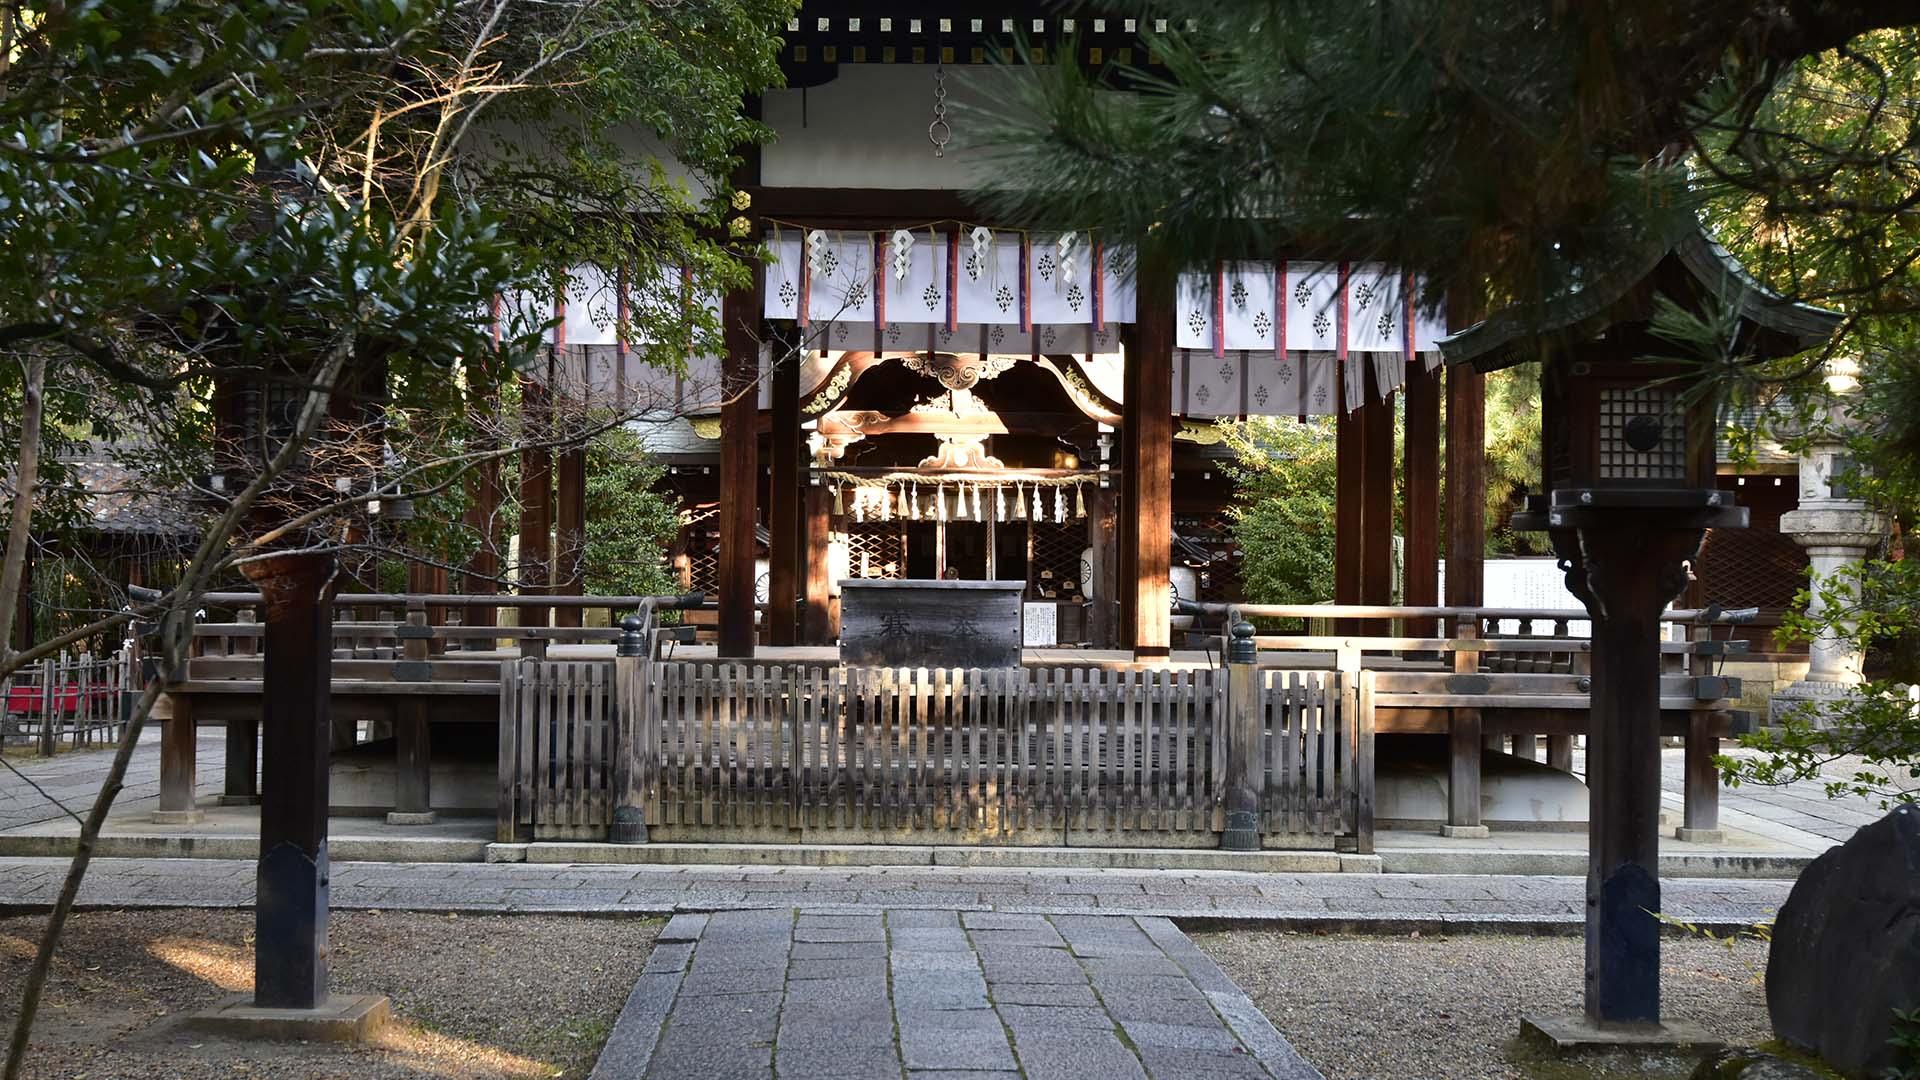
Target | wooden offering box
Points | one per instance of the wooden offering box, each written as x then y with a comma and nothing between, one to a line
932,624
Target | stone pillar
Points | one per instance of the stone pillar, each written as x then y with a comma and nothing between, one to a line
1838,532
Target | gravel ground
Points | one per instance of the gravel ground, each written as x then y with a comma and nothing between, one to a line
474,996
1369,1008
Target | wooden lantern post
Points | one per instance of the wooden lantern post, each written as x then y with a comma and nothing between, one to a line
1629,495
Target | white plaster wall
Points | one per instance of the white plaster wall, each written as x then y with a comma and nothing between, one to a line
868,128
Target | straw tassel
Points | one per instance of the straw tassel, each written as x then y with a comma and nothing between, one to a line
1079,501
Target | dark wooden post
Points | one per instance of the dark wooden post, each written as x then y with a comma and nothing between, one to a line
820,629
1150,401
536,498
242,782
412,742
1420,486
1625,566
179,736
1101,527
1245,776
739,464
1466,486
783,499
290,964
1463,748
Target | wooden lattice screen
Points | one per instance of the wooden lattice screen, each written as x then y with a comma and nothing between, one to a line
876,549
1053,572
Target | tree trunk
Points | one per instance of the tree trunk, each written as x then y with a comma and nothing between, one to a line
25,474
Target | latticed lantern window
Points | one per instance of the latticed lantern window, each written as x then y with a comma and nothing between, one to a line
1643,436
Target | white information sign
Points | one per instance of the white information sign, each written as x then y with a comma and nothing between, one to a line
1041,625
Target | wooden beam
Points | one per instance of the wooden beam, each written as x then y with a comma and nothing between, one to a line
1150,398
1420,486
820,629
783,499
1466,486
870,422
739,465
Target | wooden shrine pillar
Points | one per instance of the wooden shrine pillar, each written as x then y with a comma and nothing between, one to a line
570,531
1127,496
1466,486
821,628
1149,464
483,520
783,499
569,476
1376,503
1349,460
740,312
1420,487
536,498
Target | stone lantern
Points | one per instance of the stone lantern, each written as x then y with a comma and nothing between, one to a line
1838,531
1628,494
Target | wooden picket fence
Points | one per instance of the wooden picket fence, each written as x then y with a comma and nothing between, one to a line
557,747
72,699
839,754
1317,734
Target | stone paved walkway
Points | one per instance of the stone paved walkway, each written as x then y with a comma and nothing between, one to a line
1311,899
937,995
74,779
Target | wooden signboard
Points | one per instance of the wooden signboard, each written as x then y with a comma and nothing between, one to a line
930,623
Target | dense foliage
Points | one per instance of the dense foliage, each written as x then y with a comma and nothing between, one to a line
1283,478
629,524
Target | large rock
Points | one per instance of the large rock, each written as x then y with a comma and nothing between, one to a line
1746,1063
1846,948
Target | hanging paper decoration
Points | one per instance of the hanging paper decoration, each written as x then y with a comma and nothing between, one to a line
914,501
902,254
1059,507
817,252
1000,502
1065,246
1039,512
976,503
959,502
982,238
886,505
940,502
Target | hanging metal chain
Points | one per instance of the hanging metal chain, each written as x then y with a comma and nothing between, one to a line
939,133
